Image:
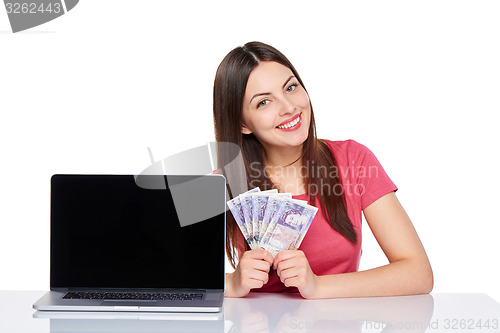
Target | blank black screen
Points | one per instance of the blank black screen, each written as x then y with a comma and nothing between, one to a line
107,232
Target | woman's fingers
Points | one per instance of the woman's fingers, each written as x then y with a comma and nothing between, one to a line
253,269
293,269
288,259
260,254
252,273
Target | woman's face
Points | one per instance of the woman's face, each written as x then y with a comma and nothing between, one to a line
276,107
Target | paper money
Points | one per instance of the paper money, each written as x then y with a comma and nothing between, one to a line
270,220
289,223
236,209
259,203
246,206
271,208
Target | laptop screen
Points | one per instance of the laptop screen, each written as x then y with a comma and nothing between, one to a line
108,232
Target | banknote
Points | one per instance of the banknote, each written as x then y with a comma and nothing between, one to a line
288,224
271,207
236,209
270,220
246,206
259,203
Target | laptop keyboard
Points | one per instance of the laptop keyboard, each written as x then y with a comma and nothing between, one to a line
157,296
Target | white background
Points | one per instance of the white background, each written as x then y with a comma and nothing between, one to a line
418,82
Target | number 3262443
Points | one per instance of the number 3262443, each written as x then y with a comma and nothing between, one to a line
32,8
470,324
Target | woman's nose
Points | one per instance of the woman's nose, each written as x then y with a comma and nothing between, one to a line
287,106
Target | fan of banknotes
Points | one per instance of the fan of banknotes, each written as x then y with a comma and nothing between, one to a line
270,220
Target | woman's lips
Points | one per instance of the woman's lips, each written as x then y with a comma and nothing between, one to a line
291,124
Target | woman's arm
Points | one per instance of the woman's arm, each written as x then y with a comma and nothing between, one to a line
408,272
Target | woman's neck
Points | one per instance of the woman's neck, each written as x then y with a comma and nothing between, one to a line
284,168
282,157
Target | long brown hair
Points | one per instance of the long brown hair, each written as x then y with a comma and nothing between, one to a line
229,89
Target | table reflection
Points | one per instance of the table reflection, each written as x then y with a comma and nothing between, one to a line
261,312
381,314
128,322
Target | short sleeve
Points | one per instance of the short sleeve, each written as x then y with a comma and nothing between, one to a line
372,182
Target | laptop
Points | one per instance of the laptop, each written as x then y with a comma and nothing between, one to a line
150,243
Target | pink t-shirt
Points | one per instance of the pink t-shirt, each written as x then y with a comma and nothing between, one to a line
364,181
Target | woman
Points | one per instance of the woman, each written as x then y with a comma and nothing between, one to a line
261,104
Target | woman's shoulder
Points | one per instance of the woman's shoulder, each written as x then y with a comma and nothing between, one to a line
347,149
350,153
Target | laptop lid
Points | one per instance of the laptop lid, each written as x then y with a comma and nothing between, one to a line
121,232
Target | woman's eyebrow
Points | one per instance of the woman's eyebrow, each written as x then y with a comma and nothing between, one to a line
286,82
267,93
256,95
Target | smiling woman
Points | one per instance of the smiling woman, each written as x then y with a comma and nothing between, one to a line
261,104
276,107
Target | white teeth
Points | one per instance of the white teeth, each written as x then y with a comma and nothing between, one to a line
290,124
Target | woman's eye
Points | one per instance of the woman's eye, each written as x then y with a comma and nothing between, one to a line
263,103
291,87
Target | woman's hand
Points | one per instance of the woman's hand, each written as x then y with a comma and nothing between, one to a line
252,272
293,269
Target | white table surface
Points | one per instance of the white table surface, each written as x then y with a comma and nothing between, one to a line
272,313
